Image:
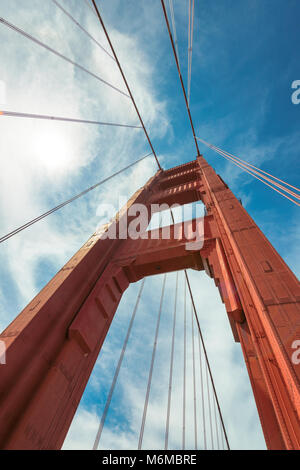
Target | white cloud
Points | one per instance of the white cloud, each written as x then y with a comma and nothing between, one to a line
84,430
44,163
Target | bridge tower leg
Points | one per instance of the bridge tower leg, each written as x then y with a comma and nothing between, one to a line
52,346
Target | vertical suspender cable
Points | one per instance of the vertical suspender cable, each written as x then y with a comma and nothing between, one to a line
151,367
202,395
125,81
222,438
90,6
174,28
216,424
193,14
190,45
179,72
58,54
208,369
171,367
209,408
189,53
217,149
184,371
206,359
194,378
65,203
249,168
81,27
108,401
18,114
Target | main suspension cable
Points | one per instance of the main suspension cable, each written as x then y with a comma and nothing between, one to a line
54,209
179,72
58,54
81,27
56,118
116,375
125,81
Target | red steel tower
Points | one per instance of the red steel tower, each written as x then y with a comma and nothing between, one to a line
52,346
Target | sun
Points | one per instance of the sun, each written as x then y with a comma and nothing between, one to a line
53,150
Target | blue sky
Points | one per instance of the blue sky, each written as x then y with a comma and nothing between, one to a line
245,59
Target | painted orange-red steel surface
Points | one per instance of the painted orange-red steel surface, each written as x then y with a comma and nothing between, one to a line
53,344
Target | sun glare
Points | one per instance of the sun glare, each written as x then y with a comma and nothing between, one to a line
53,150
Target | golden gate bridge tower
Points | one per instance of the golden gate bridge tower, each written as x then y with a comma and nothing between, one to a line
53,344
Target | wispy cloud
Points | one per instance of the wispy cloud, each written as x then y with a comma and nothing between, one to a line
43,163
